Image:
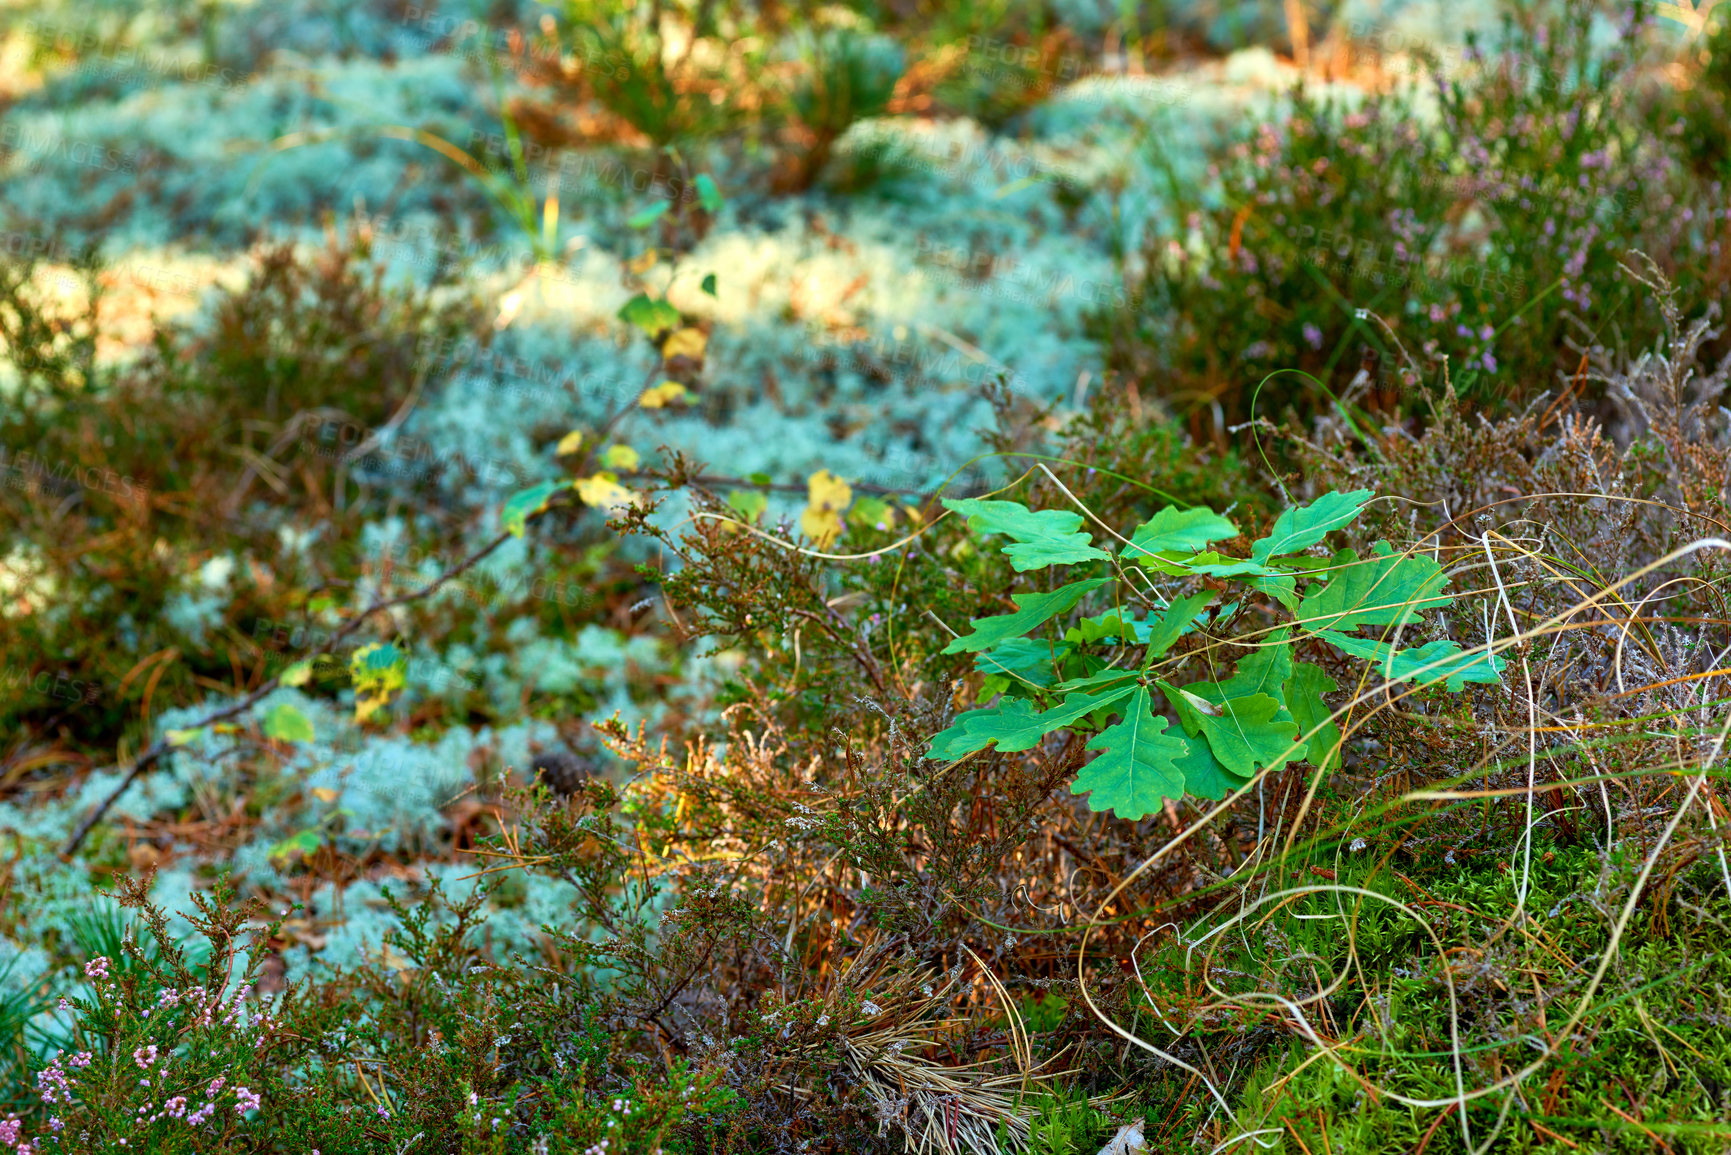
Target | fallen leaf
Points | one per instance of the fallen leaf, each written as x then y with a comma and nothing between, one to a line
569,443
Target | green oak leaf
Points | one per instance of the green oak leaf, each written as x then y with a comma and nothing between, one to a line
1113,625
1013,724
286,724
1439,661
526,503
1102,678
1262,671
1305,687
748,503
1179,619
1031,610
1023,659
1299,529
1077,706
1135,771
1383,590
1204,776
1040,538
1212,563
1283,588
1179,529
1243,732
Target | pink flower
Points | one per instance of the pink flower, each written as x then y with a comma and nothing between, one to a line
145,1057
245,1100
96,968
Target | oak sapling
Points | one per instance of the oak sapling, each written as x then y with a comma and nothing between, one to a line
1146,630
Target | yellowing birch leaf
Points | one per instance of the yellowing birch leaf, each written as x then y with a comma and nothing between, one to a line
827,496
685,343
569,443
603,491
662,395
620,457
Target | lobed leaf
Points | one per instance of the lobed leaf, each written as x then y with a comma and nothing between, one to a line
1136,770
1204,776
1299,529
1180,529
1383,590
1304,688
1031,610
1439,661
1040,537
1013,724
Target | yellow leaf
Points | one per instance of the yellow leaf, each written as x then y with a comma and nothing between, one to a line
827,496
298,674
182,737
685,343
620,457
662,394
603,491
326,794
642,264
827,491
823,526
569,443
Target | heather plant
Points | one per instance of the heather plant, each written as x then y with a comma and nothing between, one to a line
93,455
167,1054
1478,234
